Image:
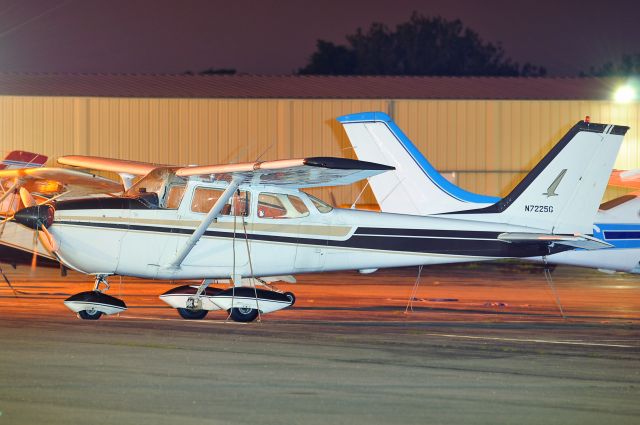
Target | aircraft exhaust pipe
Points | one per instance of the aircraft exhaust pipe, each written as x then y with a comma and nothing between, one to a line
35,217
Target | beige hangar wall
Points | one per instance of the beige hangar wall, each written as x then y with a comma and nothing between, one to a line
487,143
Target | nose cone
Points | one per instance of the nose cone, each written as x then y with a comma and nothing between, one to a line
35,217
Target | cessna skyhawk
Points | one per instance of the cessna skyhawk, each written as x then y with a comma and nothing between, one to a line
252,220
415,187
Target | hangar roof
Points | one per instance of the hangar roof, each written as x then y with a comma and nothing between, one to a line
304,87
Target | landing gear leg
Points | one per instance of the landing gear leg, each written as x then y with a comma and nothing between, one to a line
243,313
194,310
101,279
92,313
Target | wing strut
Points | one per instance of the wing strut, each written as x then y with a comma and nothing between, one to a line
214,212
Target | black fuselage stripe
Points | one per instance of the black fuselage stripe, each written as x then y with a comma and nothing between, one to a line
443,245
387,231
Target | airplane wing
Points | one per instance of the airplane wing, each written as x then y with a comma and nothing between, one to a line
135,168
294,173
625,178
53,180
128,170
575,241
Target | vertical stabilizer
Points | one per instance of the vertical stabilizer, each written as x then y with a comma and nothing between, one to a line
562,193
415,187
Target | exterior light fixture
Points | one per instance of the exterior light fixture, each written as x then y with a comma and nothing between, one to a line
624,94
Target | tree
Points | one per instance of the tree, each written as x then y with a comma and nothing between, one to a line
212,71
628,66
421,46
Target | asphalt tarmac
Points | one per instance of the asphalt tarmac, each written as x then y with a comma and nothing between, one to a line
483,344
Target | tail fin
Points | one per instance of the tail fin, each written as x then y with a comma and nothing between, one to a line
562,193
22,159
415,187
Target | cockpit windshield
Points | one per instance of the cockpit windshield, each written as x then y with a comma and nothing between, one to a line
161,187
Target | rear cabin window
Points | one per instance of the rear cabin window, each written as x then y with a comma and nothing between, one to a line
279,205
204,199
322,206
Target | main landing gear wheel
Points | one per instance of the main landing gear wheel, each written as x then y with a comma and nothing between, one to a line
189,314
91,314
244,314
291,297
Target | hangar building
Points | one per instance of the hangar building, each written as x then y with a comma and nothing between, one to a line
488,131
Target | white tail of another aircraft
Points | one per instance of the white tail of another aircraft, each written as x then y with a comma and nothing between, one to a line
560,195
415,187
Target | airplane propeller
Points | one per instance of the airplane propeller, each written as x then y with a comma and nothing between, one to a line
41,232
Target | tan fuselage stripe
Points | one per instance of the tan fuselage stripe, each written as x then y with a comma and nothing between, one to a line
320,230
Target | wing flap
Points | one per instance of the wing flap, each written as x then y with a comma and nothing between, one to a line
575,241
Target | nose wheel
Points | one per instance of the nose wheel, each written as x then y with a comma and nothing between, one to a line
91,305
90,314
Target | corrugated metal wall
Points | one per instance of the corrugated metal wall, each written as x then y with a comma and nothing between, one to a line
489,144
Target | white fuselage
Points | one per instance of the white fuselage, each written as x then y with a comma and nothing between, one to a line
144,242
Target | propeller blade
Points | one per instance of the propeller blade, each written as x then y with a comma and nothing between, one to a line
26,198
47,240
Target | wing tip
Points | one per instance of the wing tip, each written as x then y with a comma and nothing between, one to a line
345,164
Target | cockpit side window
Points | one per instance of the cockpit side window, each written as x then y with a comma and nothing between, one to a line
204,199
160,188
280,205
174,196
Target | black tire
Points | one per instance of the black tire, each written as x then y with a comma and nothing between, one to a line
244,314
189,314
89,315
291,297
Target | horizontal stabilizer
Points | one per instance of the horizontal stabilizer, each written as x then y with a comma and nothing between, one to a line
575,241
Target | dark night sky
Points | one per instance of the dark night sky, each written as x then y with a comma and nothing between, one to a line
277,37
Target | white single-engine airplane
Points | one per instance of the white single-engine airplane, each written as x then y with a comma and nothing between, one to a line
415,187
251,220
